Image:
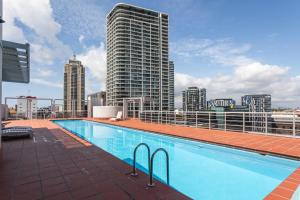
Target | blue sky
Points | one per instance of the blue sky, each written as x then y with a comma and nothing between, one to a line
231,47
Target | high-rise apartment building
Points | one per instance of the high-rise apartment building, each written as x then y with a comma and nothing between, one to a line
138,56
203,102
171,86
191,99
74,86
258,102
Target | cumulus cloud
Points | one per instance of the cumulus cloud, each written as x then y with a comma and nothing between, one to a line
36,16
248,75
94,59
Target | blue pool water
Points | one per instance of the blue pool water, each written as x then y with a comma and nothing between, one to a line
199,170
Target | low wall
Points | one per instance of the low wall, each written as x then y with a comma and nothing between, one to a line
106,111
4,112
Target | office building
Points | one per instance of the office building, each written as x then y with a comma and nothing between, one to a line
74,86
138,56
225,103
171,86
191,99
27,107
203,102
95,99
258,102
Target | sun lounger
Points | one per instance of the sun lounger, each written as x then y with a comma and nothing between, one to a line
16,132
118,117
18,127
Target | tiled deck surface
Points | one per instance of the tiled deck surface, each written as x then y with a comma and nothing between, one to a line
283,146
57,165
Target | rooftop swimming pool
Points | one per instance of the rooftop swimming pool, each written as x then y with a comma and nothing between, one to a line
198,170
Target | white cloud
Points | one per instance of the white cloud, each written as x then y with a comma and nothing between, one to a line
248,75
80,39
94,59
36,16
46,83
44,72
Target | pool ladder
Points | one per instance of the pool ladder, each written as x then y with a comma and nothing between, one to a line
150,163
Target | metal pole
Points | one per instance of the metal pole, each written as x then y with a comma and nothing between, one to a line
166,117
151,184
243,122
266,122
294,124
196,119
134,158
209,120
175,117
225,127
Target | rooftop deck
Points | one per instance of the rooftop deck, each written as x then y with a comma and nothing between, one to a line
60,166
56,164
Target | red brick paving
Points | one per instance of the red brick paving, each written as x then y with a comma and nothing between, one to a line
282,146
57,165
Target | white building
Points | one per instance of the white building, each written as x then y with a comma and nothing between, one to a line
27,107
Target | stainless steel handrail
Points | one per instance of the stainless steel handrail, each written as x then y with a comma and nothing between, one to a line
134,158
151,184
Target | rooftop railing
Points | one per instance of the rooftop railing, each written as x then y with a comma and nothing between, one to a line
283,124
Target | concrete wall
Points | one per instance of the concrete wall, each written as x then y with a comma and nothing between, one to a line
4,112
106,111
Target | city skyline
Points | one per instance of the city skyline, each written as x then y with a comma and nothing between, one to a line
215,50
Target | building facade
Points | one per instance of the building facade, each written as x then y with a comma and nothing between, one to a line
95,99
191,99
74,86
203,102
171,86
258,102
138,56
225,103
27,107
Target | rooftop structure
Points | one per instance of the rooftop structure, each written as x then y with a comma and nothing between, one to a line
95,99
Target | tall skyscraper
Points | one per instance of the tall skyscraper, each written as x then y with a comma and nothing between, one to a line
74,86
203,102
258,102
171,86
138,56
191,99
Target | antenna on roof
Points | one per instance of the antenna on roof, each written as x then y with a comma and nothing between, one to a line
74,56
